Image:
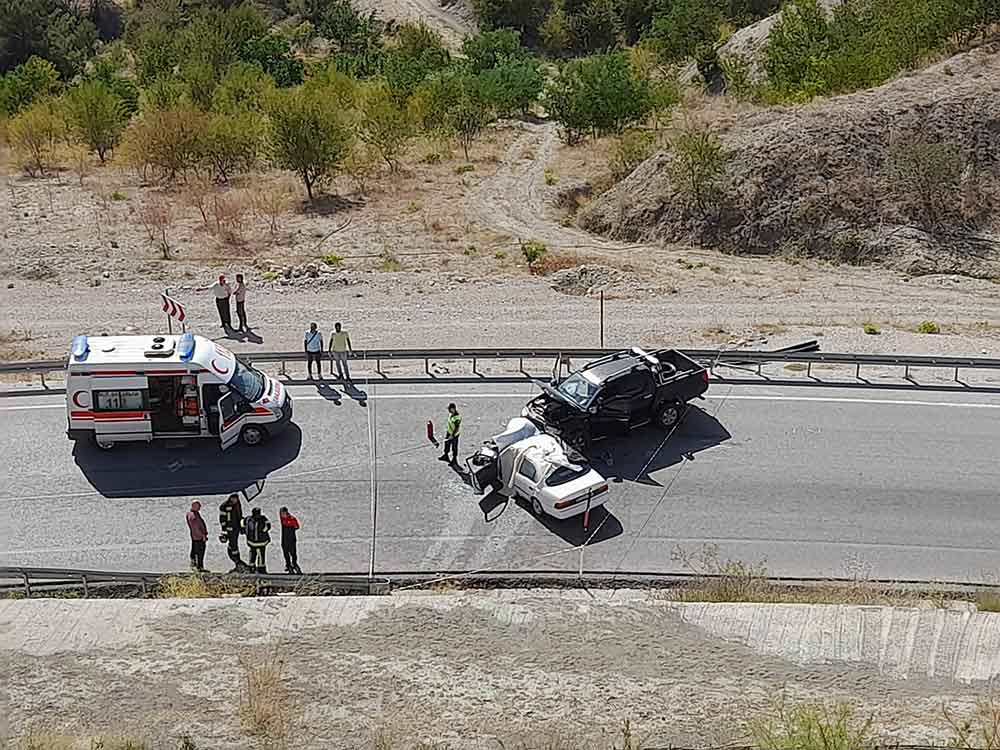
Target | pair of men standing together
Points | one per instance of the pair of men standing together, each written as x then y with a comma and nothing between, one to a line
222,291
340,348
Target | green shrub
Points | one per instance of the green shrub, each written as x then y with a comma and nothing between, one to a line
533,252
811,726
871,329
599,94
332,259
698,166
500,255
928,326
465,168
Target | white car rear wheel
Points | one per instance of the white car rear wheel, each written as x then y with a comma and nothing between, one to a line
536,507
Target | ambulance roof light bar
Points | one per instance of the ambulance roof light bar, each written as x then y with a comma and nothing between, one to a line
185,347
80,348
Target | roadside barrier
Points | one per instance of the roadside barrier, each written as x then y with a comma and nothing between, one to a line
719,361
29,581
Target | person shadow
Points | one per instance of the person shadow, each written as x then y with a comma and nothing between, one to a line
328,392
248,336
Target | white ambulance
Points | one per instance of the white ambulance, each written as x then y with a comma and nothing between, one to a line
140,388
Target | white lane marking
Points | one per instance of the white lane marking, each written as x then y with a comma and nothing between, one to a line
814,399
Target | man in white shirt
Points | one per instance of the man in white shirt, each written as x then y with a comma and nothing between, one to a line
313,342
240,295
222,292
340,346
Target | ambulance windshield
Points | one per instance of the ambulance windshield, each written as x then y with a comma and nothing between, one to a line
247,382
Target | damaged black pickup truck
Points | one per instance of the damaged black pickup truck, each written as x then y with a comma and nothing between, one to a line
617,393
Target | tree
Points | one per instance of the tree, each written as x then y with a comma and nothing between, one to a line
491,49
698,166
598,26
169,141
34,79
556,31
156,55
384,125
602,94
513,86
687,29
96,117
34,135
798,48
232,144
242,88
308,136
418,53
523,15
273,54
470,113
56,30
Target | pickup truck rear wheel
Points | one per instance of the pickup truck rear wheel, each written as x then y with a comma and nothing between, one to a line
670,414
536,507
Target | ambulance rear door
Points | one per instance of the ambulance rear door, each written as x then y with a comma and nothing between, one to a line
120,405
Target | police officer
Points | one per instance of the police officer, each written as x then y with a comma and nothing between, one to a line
231,521
258,537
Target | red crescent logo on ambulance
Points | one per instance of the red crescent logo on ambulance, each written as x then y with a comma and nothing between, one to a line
218,369
76,399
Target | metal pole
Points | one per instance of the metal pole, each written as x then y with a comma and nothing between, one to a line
373,440
602,318
170,324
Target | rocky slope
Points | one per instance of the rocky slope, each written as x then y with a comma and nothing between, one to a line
820,179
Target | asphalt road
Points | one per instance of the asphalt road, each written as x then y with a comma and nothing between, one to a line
815,481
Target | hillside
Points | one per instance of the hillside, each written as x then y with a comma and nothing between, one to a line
907,174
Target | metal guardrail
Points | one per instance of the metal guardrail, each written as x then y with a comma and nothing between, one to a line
711,358
29,580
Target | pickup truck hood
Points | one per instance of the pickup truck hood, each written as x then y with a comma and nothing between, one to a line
557,395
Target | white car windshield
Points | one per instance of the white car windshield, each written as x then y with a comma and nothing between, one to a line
247,382
578,389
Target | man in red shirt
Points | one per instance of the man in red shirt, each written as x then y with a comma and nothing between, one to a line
289,529
199,534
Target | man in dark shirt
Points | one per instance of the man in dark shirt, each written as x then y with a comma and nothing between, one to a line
289,531
258,530
199,535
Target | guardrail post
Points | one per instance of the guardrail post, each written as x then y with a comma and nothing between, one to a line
857,371
906,373
283,373
27,586
809,369
520,365
956,376
476,372
86,588
378,367
427,365
42,373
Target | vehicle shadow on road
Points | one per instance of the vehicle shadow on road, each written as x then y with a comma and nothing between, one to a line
602,526
179,468
636,457
602,523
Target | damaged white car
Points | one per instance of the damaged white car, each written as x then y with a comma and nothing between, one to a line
523,462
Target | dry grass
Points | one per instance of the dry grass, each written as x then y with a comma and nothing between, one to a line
988,600
191,586
981,730
726,580
811,726
268,711
41,739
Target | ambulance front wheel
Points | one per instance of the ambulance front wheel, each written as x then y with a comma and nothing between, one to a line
253,435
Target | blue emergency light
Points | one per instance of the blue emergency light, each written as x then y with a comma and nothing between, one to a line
185,347
80,348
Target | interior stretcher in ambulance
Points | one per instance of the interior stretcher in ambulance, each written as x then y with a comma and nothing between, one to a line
140,388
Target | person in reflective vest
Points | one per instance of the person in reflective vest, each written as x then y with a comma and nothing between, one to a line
258,537
231,521
451,434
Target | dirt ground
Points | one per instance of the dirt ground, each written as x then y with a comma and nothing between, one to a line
462,671
432,257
